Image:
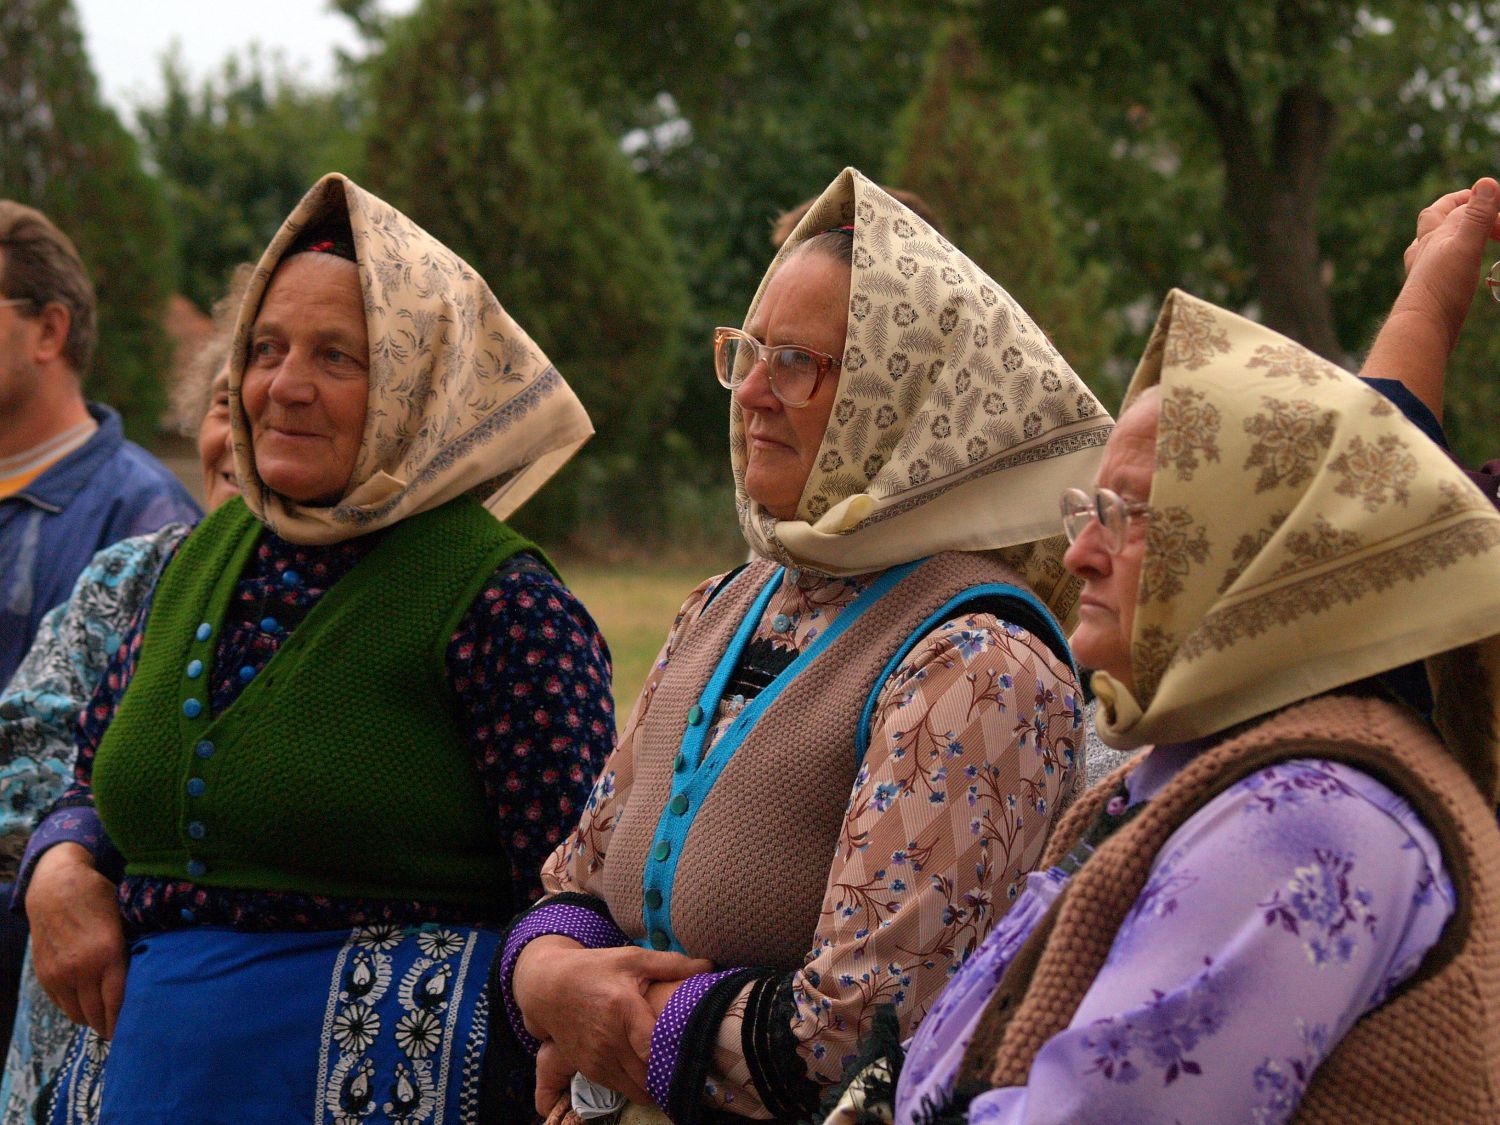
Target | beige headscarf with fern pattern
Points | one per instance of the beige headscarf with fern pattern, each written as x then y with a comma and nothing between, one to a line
461,399
956,423
1303,535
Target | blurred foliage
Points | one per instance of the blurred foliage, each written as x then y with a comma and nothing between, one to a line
235,153
65,153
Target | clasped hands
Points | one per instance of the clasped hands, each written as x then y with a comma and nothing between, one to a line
594,1011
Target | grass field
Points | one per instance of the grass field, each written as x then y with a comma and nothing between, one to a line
634,604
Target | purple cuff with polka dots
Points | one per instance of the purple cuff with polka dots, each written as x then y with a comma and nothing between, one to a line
666,1036
76,824
591,929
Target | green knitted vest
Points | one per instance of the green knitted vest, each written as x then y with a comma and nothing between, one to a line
341,768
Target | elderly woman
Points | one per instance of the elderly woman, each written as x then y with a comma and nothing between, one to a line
39,710
884,686
1285,907
338,742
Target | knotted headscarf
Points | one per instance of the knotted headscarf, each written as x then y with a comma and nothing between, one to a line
956,424
460,401
1303,535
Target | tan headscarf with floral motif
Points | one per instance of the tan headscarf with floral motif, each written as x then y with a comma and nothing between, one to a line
1302,535
955,425
461,400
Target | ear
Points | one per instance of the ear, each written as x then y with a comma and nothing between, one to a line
53,322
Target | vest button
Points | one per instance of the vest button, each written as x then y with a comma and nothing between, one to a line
196,786
187,916
695,715
192,708
197,868
679,804
660,940
247,673
653,899
661,851
194,669
269,624
205,749
197,829
204,631
680,762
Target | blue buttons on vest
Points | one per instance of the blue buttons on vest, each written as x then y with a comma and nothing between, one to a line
247,673
661,851
291,579
197,868
695,715
660,940
197,829
679,763
781,623
679,804
270,625
187,916
196,786
192,708
204,631
653,899
194,669
204,749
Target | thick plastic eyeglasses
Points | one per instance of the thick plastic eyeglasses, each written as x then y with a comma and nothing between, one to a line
1112,510
795,372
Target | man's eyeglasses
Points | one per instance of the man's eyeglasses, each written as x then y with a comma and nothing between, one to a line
1492,279
1112,510
795,372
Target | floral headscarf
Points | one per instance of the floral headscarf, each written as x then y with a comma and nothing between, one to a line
956,423
461,400
1303,535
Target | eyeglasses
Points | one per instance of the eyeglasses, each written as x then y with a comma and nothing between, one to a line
5,302
1112,510
1492,279
795,372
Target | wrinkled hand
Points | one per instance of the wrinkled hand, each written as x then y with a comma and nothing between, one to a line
77,940
1443,261
589,1008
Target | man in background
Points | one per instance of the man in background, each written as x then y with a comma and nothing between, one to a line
69,481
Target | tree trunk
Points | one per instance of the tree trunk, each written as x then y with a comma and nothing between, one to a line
1274,200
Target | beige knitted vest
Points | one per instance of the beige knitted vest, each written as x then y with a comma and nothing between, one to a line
754,866
1431,1052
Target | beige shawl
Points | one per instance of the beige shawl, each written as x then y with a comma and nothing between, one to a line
461,400
1303,535
956,423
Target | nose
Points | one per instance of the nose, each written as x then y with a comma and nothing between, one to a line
1087,557
293,383
755,392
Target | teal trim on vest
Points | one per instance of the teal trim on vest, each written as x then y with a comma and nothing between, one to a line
692,783
342,768
950,609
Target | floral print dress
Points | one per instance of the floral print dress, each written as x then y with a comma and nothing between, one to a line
1273,918
976,741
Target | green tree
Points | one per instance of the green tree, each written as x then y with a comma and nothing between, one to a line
235,155
63,151
476,132
969,148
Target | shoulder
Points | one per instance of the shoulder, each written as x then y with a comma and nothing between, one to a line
985,642
134,556
522,597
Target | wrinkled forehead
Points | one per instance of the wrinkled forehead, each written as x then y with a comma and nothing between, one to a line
1130,454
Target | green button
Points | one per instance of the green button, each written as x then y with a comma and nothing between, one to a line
680,763
661,851
660,940
653,899
679,804
695,715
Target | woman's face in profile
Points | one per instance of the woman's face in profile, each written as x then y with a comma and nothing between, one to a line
1111,581
307,378
806,303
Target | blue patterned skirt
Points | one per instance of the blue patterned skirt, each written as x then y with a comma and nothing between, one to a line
382,1024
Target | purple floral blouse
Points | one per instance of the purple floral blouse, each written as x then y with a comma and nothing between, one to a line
531,673
1272,919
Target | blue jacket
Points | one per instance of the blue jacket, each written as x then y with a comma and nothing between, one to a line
106,490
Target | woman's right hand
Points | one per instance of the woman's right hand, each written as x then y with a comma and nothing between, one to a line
77,939
589,1006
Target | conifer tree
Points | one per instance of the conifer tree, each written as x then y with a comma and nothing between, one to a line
64,152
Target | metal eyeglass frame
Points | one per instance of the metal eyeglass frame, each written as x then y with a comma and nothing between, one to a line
1112,510
764,353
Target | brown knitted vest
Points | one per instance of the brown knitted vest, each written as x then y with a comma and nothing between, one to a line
1431,1052
753,869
